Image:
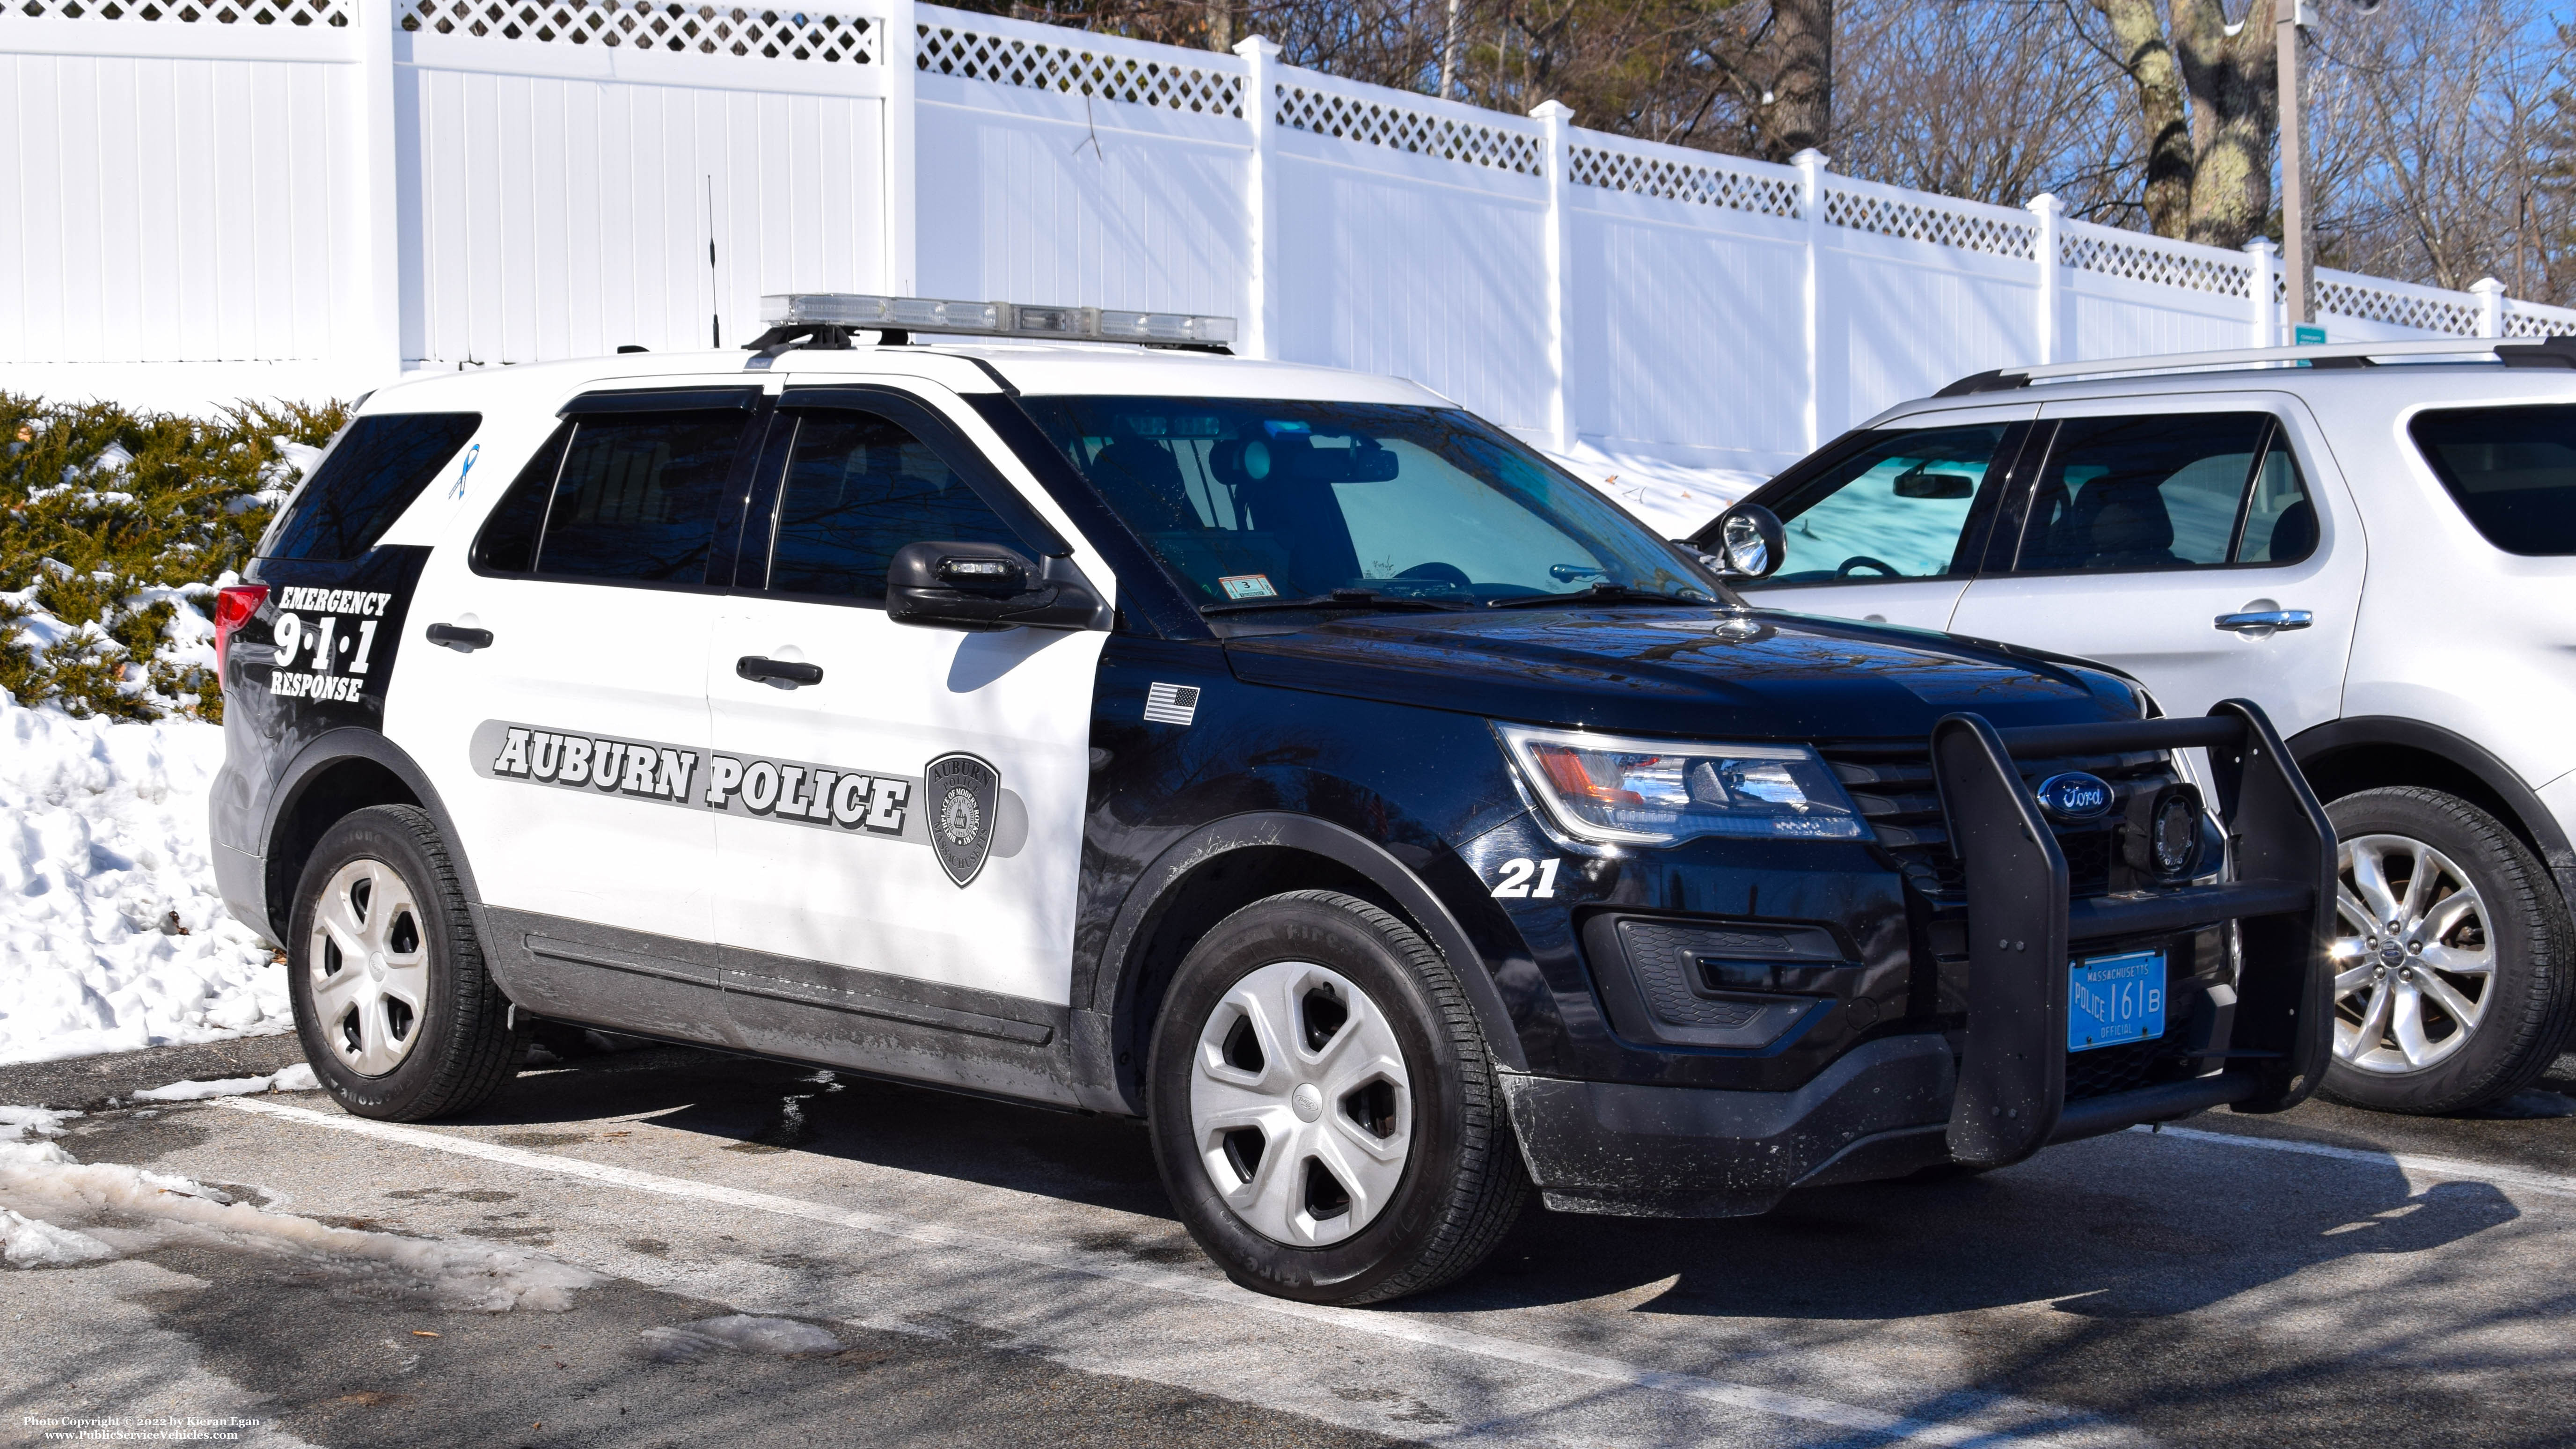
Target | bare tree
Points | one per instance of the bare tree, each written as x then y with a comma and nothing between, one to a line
1800,102
2437,120
1993,102
2207,112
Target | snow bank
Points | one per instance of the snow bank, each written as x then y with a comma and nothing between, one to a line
111,935
56,1211
297,1078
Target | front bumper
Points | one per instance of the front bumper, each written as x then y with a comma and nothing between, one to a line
1995,1092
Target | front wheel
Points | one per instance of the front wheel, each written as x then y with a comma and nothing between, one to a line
1324,1110
397,1013
2455,963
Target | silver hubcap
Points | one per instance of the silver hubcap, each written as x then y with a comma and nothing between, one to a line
370,967
2415,962
1300,1105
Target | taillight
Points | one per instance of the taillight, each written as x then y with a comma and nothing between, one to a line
234,606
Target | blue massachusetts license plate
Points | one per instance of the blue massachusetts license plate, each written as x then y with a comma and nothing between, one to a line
2116,999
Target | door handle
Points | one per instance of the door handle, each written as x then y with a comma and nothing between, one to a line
2267,619
777,671
459,638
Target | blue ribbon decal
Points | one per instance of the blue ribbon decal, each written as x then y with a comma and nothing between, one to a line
471,454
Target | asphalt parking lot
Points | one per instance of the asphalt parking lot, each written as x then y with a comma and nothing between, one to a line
961,1271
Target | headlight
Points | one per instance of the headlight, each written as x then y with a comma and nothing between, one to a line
1656,792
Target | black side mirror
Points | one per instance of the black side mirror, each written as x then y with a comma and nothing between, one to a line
986,586
1749,541
1919,483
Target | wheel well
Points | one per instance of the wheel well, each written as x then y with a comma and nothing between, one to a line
2350,769
333,791
1212,891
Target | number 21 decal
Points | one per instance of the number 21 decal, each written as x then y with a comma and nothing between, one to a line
1516,878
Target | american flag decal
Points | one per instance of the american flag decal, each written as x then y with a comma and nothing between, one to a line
1172,703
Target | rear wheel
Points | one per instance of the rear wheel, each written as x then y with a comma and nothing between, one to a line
1324,1110
2455,961
397,1014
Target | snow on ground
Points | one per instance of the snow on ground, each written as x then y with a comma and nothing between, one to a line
297,1078
57,1211
695,1342
111,935
1673,499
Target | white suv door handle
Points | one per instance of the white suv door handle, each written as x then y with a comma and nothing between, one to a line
2267,619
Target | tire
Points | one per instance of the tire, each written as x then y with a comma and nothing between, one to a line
397,1014
1316,988
2483,959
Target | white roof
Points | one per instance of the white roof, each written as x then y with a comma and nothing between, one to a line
1036,369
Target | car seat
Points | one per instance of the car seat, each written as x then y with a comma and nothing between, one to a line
2294,534
2121,523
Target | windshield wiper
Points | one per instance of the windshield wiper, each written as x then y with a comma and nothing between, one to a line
1604,593
1337,599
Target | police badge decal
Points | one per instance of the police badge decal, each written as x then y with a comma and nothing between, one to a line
963,794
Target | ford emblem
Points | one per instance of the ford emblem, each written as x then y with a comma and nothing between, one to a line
2075,796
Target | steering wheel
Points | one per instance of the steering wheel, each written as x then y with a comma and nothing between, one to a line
1438,573
1864,561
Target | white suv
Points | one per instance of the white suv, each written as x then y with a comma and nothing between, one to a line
2377,543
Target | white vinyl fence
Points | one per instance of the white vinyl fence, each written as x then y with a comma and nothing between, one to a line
345,188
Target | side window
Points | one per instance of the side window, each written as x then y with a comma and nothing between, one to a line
372,475
857,488
508,541
1895,510
2511,470
2177,490
2280,521
627,496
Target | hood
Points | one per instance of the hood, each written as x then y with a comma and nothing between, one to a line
1685,672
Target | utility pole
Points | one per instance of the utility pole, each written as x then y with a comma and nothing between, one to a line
2291,16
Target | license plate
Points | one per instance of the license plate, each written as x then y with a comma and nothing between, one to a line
2113,1000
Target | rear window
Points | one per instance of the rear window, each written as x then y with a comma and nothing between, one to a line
371,476
2511,470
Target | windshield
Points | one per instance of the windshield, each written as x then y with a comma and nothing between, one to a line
1247,502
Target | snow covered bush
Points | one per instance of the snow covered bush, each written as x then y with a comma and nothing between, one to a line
115,529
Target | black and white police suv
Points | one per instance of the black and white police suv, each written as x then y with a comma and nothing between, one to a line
1283,756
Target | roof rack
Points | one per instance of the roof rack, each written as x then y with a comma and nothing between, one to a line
2541,352
826,320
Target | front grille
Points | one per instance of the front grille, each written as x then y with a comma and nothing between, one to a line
2105,1070
1892,785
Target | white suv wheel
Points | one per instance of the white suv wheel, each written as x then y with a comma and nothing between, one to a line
2417,960
370,967
1300,1105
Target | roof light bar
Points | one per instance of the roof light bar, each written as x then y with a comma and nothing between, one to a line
994,319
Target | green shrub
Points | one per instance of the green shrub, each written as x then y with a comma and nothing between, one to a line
112,523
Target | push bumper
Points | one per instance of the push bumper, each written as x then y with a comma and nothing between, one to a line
1994,1093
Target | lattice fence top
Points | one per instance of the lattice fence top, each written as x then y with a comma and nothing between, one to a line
2403,309
1948,226
2125,255
1700,185
687,29
187,12
1401,128
1010,60
2519,323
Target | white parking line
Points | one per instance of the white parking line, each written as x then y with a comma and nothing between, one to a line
2446,1169
1381,1324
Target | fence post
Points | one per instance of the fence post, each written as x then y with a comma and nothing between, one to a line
1558,117
1260,197
2490,293
2052,274
370,339
902,237
1811,164
2260,289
